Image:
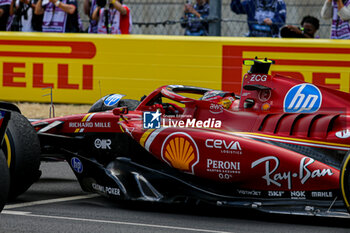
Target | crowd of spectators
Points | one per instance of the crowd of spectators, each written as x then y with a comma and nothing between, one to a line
265,18
63,16
194,20
339,12
308,28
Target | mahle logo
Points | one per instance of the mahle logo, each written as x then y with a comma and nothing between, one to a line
303,98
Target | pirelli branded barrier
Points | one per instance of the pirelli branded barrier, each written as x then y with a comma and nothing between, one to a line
81,68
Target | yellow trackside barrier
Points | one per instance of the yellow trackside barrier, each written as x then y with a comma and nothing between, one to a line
81,68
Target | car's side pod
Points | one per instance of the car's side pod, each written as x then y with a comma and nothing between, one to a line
345,180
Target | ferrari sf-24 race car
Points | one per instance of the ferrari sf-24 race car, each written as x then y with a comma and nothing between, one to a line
281,146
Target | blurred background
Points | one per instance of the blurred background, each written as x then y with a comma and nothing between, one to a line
162,17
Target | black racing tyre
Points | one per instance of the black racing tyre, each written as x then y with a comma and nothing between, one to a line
22,150
345,181
4,180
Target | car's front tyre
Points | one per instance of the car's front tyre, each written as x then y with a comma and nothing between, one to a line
4,180
22,150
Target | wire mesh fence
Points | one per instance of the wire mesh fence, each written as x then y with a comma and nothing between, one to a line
162,17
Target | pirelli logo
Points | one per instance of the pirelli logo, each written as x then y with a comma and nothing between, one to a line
35,59
325,66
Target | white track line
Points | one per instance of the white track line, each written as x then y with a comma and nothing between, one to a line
50,201
9,212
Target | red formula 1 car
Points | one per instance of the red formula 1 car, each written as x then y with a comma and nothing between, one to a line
281,146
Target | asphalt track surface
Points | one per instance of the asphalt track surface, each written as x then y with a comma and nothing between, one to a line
57,204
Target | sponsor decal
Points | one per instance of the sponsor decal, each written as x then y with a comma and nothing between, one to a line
102,124
77,49
275,193
129,131
103,143
322,194
297,195
192,123
180,151
258,78
343,134
216,108
11,78
302,98
28,74
225,167
112,99
226,147
90,124
81,124
249,192
86,123
265,107
106,190
151,120
77,165
302,175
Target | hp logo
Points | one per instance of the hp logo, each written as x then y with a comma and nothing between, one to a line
302,98
77,165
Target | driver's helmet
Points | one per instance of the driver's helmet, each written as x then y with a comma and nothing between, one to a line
226,102
223,98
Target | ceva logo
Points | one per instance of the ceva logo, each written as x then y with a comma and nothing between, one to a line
303,98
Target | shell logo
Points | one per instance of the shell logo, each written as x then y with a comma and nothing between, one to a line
180,151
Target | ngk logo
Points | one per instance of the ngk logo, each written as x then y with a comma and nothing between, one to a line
297,194
26,73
